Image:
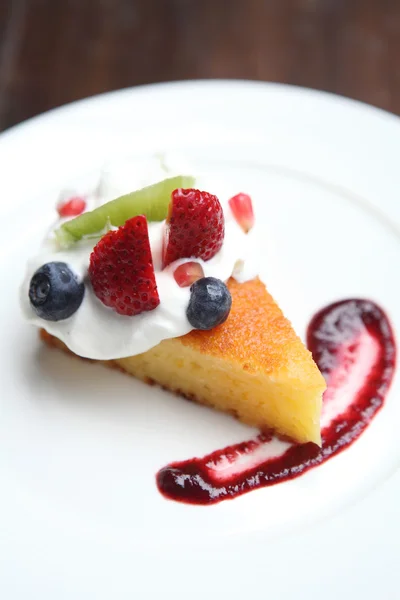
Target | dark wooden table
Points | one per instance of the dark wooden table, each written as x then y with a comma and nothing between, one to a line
56,51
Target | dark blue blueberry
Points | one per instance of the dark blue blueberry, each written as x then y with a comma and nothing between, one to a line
210,303
55,292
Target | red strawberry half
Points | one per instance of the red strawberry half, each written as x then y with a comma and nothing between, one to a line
121,269
195,226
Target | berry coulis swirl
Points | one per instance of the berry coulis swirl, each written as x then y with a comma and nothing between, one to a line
353,344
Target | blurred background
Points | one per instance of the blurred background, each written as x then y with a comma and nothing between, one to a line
57,51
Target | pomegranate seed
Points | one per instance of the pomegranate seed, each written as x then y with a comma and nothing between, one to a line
242,208
72,207
188,273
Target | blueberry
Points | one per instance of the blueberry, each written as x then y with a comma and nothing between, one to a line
210,303
55,292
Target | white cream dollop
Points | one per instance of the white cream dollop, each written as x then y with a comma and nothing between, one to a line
98,332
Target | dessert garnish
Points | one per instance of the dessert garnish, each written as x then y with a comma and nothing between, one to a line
210,303
71,207
121,269
194,227
187,273
151,201
242,209
55,292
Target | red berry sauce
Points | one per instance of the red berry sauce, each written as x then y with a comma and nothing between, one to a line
353,345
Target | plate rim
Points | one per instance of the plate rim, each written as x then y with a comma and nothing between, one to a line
256,85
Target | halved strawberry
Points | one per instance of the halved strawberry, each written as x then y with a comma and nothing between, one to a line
195,226
242,208
121,269
188,273
71,207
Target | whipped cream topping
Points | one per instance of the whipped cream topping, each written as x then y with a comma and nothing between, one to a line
98,332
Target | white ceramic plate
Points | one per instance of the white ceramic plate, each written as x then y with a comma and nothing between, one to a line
80,515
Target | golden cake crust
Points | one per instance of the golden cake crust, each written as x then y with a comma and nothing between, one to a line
256,334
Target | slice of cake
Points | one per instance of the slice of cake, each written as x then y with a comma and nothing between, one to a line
151,297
